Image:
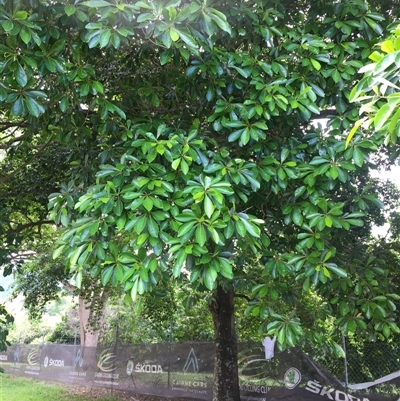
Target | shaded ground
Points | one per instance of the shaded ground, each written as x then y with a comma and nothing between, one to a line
96,392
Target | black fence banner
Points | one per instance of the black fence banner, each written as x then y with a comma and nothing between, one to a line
186,370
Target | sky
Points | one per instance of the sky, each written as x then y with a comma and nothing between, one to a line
394,176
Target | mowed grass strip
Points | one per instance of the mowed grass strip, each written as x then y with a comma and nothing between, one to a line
14,388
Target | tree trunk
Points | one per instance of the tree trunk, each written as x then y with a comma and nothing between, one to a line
226,378
90,335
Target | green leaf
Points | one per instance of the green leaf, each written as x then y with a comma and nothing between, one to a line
97,3
219,19
210,276
69,10
166,56
105,38
58,251
25,34
81,15
145,17
240,227
226,268
297,217
21,15
7,25
98,86
127,258
185,228
251,228
315,64
115,40
282,336
64,104
78,279
356,126
148,204
134,290
20,76
106,274
336,76
175,164
214,234
382,116
186,37
385,62
17,108
174,35
153,227
84,89
337,270
208,206
180,260
358,156
34,107
201,235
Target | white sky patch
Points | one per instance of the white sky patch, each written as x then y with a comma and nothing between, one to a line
394,176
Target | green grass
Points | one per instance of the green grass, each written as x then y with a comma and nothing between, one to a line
14,388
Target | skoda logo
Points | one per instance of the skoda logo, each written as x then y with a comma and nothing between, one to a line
129,368
46,362
292,378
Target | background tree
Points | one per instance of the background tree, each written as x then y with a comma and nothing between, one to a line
379,89
195,120
41,280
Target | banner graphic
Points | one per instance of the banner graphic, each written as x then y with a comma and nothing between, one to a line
186,370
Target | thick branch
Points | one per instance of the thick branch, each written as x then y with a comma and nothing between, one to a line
35,156
69,286
9,124
22,227
244,297
324,114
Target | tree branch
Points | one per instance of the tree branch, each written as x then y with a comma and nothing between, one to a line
22,227
244,297
35,156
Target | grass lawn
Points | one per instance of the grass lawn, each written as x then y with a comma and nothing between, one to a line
13,388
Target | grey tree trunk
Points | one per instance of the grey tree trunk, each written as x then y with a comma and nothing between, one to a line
91,309
226,378
90,335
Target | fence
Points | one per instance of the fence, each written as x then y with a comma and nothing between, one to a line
364,362
186,370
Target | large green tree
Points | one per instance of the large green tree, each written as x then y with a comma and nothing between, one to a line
379,89
190,138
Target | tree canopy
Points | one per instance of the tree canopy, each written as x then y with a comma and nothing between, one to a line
379,89
191,134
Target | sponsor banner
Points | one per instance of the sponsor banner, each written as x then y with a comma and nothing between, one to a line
56,362
186,370
5,359
23,360
107,368
83,365
191,370
143,368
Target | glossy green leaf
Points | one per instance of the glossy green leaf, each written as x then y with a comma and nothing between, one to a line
201,235
21,76
7,25
382,116
69,10
180,260
208,206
